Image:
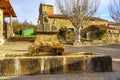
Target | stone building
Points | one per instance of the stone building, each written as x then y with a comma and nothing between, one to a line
46,14
6,10
114,25
47,11
96,28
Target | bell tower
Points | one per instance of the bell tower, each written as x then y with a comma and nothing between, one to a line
44,10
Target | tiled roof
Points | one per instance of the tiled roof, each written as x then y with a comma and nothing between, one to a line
114,23
57,16
47,5
96,18
106,27
64,17
6,6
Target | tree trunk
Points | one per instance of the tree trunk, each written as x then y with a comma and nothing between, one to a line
78,37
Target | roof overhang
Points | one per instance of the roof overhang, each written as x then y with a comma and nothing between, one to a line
6,6
57,16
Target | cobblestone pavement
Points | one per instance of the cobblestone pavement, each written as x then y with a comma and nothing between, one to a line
112,50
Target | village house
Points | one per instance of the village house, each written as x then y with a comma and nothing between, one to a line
47,19
114,25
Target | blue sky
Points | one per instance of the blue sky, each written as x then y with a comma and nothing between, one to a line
29,9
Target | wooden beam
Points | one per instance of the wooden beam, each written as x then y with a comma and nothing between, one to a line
4,0
6,8
7,15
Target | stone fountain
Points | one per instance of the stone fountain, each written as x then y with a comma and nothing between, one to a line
46,42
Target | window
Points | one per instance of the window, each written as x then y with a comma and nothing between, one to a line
71,29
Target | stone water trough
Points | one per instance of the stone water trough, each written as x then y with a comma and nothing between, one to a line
46,56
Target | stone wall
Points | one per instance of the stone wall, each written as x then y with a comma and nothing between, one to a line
61,23
54,64
47,8
112,38
1,27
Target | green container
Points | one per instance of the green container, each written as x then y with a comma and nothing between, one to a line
28,31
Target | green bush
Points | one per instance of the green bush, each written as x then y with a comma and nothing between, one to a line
101,33
63,31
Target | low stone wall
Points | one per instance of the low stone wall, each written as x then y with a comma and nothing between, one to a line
54,64
113,38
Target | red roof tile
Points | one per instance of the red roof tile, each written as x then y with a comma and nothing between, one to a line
96,18
57,16
6,6
64,17
106,27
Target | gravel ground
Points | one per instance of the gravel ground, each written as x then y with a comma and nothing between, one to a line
112,50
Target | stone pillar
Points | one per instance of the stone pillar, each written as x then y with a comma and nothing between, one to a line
1,27
11,28
11,20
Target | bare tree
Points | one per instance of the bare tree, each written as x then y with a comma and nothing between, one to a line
78,12
114,9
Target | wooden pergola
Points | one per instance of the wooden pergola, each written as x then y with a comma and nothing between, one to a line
8,11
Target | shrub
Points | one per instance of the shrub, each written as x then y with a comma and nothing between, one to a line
101,33
63,31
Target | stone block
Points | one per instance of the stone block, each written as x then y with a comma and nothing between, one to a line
30,66
101,64
53,65
74,64
7,67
